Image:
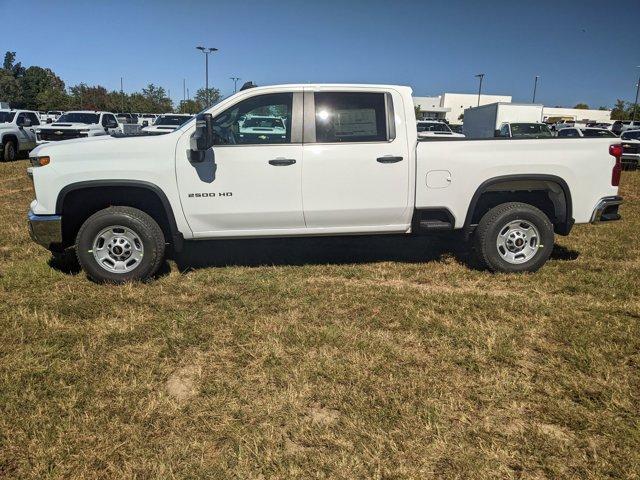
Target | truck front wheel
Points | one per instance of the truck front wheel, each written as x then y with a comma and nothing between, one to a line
513,237
9,152
120,244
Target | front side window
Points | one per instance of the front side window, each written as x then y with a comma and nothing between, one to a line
350,117
109,121
34,118
504,131
260,120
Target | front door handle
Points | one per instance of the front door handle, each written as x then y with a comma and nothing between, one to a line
389,159
282,162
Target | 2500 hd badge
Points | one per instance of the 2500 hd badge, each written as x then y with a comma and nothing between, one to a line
212,194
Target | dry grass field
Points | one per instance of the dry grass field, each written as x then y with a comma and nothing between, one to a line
348,358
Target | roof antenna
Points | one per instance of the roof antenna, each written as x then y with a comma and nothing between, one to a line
248,85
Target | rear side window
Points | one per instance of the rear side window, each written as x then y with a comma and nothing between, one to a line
350,117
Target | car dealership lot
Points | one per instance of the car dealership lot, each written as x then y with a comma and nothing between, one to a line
356,357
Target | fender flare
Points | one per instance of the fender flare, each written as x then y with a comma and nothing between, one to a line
178,238
567,222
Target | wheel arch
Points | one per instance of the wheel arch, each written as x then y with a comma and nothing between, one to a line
133,193
556,188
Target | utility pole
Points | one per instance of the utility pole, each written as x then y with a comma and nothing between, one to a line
121,95
184,89
206,52
481,77
535,87
235,83
635,104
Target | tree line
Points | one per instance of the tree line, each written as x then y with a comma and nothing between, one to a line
39,88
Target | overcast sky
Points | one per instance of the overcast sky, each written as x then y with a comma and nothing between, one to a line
584,51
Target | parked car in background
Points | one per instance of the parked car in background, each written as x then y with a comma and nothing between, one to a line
620,126
350,163
434,129
79,124
50,116
586,132
630,149
167,123
523,130
17,132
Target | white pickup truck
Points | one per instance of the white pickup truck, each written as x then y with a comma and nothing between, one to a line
78,124
17,132
349,162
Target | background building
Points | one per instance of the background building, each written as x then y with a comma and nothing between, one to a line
451,107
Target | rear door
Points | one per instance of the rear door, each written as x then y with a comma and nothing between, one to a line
356,162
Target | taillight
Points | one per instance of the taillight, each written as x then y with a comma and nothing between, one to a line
616,151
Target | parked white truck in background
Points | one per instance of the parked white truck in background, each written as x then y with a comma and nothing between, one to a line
495,120
79,124
349,163
17,132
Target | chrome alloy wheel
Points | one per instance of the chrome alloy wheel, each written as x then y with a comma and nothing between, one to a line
518,241
118,249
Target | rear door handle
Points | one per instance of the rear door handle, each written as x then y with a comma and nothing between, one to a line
282,162
389,159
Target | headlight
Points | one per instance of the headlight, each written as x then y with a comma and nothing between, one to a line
40,161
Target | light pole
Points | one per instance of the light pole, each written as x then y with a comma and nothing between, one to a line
206,52
235,83
535,88
121,95
480,76
635,104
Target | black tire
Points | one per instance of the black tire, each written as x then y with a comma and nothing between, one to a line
9,151
496,223
146,229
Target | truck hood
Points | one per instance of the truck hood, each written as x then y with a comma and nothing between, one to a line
99,147
67,126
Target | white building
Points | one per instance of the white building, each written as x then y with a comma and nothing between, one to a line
451,107
555,114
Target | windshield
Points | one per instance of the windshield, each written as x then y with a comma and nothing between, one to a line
7,117
635,135
263,122
433,127
530,130
173,120
78,117
54,113
592,132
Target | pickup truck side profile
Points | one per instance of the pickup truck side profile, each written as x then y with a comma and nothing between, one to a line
349,162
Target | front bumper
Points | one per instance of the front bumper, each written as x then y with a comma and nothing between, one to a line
607,210
45,230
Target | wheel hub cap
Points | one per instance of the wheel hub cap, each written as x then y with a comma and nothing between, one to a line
518,241
118,249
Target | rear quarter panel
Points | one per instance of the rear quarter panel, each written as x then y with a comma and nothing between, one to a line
584,164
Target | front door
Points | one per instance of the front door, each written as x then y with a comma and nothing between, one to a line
250,181
356,165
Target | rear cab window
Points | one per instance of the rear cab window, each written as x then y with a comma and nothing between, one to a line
347,117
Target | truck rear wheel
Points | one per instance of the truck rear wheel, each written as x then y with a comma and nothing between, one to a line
513,237
120,244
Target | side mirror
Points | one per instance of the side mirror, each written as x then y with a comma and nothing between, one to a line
202,139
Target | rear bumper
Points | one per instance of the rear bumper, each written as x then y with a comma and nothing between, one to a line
607,210
45,230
